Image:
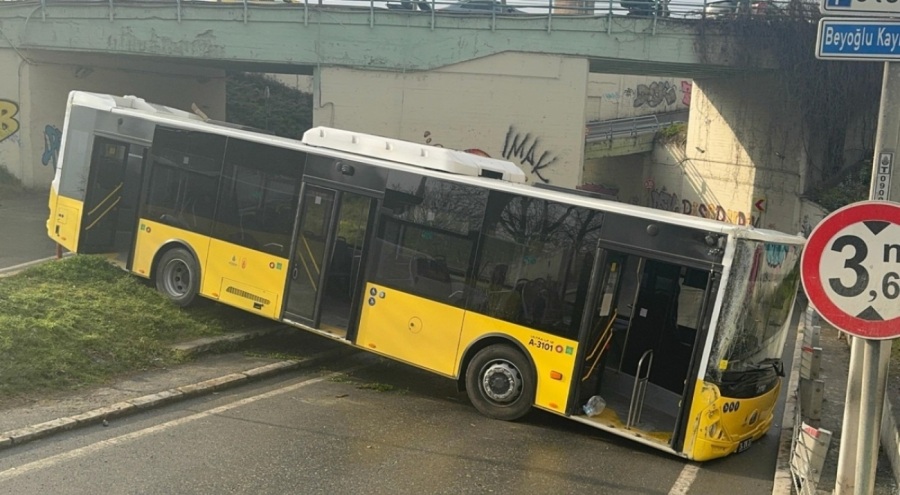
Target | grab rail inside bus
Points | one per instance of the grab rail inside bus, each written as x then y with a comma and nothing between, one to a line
641,377
601,345
312,260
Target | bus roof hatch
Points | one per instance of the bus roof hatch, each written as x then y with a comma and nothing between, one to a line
408,153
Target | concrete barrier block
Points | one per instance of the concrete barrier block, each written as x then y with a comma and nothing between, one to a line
812,393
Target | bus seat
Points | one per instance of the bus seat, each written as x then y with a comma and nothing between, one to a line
430,277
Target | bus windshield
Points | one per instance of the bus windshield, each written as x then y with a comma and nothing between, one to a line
753,324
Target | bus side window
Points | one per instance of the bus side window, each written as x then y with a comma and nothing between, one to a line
430,277
425,238
533,256
259,196
184,178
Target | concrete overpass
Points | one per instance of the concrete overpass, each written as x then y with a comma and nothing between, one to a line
513,86
297,37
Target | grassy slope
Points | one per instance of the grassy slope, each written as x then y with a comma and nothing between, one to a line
80,321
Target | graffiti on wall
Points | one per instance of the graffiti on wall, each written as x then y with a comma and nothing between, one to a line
429,139
664,200
655,94
775,254
8,123
527,150
523,148
686,87
52,140
718,212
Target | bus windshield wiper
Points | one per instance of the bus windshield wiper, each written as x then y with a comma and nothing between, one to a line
774,363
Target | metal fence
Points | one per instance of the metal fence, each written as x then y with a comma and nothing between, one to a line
699,10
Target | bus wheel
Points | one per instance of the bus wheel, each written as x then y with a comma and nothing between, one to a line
178,276
500,383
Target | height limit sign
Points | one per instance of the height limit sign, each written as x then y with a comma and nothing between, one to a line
882,185
851,269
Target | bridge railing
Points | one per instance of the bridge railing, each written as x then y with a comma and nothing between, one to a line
434,10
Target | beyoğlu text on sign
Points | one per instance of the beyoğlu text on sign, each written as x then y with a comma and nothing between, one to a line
881,39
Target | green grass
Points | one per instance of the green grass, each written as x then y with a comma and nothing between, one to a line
81,321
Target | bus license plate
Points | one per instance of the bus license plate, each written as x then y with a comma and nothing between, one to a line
744,445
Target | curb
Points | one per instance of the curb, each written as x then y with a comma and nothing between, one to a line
12,270
29,433
783,483
224,342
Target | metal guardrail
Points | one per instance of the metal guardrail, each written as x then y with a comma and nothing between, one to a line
810,443
714,10
603,130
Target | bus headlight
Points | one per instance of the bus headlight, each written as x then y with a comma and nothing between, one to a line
713,431
751,420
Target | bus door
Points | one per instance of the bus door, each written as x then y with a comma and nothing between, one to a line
110,207
328,258
641,341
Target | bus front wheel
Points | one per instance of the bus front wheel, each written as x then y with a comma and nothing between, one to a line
500,382
178,276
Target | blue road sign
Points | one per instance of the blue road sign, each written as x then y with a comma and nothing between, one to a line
862,39
839,4
860,7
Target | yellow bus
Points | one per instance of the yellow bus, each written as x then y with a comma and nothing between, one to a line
651,325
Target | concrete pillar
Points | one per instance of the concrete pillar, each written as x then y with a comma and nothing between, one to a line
744,151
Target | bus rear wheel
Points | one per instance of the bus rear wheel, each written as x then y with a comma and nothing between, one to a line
500,382
178,276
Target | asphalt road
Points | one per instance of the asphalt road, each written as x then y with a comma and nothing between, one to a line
360,425
23,220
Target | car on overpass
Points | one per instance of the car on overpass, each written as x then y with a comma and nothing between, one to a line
480,7
770,8
461,7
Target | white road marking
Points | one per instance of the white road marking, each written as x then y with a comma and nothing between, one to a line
684,481
103,444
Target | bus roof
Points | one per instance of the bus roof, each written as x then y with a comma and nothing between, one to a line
420,155
426,160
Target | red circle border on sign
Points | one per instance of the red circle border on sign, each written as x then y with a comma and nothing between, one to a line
812,256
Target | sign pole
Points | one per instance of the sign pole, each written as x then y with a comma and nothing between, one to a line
871,406
869,358
846,470
851,38
884,186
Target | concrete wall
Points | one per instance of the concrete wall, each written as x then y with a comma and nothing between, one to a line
529,109
742,160
612,96
10,113
37,91
620,176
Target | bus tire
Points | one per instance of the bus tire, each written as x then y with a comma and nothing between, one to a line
178,276
500,382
